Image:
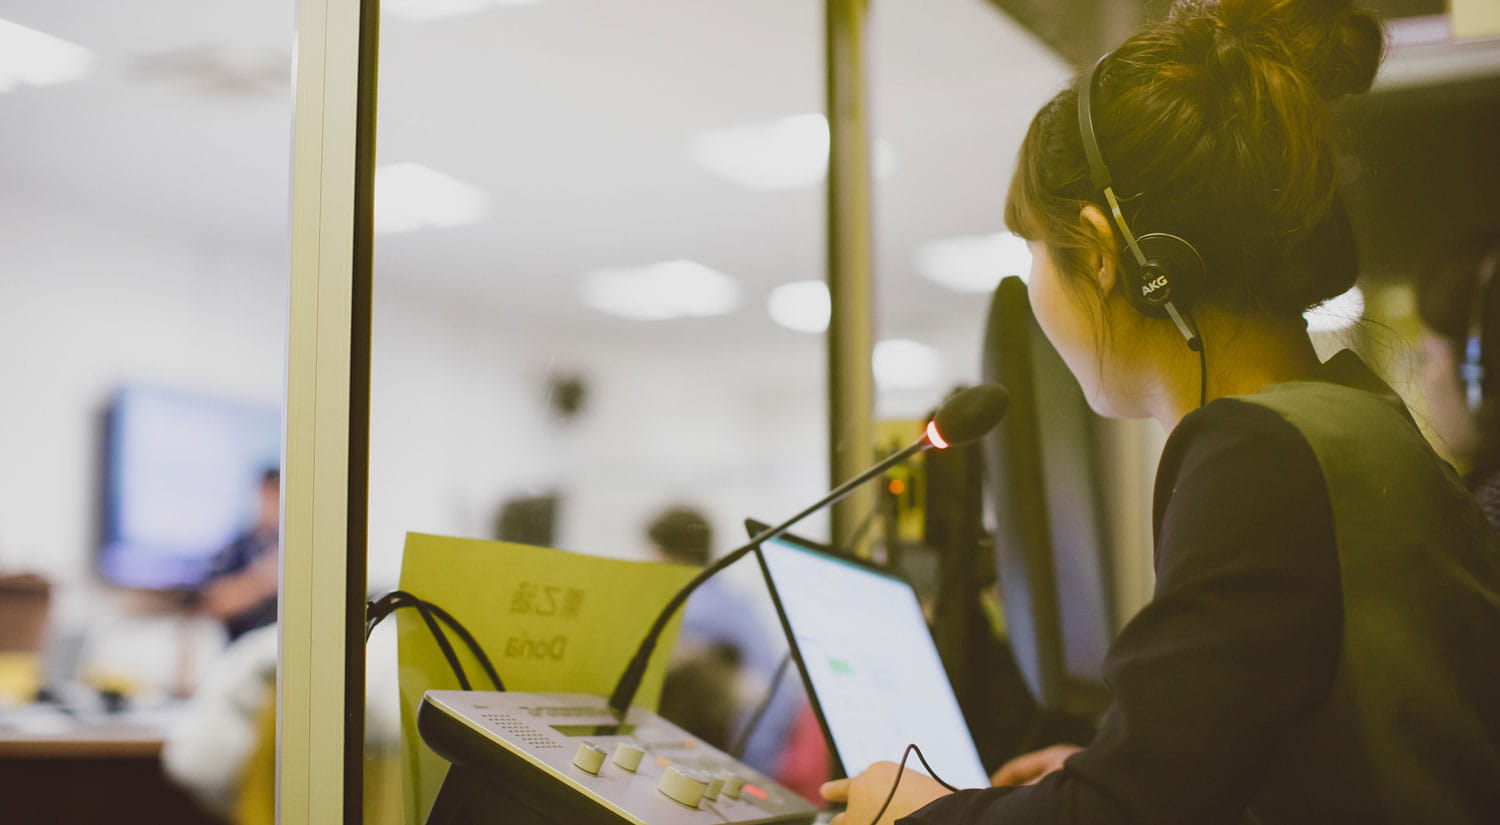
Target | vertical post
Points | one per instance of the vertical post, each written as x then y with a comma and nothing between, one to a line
320,680
851,436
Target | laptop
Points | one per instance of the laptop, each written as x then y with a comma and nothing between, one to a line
868,661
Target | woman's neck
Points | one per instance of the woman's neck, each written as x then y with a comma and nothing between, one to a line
1243,356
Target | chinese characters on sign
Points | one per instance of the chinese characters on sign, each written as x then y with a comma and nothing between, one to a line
545,600
536,599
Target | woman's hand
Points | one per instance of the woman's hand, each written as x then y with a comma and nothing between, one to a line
866,792
1028,769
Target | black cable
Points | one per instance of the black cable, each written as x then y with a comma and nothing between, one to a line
1196,344
471,643
737,748
900,770
397,599
377,609
444,645
932,773
1202,374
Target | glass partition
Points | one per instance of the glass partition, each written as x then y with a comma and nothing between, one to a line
598,286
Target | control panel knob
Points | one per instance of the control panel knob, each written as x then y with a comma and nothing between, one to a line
589,758
715,784
682,785
628,756
732,784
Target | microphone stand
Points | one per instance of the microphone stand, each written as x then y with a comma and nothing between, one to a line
630,680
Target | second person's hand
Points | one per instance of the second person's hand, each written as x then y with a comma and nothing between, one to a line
1029,768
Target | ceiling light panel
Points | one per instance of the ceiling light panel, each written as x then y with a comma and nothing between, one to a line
789,153
902,364
37,59
802,306
974,263
661,291
410,196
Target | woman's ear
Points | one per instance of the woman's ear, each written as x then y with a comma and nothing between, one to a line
1104,254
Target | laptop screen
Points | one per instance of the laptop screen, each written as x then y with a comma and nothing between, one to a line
870,663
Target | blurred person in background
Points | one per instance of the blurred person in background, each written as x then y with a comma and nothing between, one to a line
241,586
719,639
704,691
726,659
1460,335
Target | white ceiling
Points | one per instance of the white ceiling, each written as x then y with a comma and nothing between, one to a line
573,115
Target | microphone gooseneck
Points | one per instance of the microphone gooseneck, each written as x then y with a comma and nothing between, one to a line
967,415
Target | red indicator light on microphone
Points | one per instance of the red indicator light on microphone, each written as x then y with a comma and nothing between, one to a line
935,437
753,791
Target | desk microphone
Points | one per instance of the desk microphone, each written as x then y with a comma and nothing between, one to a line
967,415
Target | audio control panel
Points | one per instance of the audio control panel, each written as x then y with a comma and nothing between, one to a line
564,748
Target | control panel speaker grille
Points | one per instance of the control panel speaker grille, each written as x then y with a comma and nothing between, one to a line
519,731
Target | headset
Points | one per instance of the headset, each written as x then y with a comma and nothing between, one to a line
1163,274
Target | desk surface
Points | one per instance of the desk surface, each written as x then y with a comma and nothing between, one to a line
46,732
74,766
83,743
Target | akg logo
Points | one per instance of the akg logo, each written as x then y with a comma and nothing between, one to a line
1153,285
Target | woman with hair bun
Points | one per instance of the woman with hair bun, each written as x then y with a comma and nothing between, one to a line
1323,644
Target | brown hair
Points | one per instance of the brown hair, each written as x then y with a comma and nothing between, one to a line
1215,126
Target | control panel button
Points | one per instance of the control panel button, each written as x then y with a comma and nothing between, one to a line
628,756
732,784
682,785
715,783
589,758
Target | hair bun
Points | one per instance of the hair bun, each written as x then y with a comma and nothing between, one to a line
1334,45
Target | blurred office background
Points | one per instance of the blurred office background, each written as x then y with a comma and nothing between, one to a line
598,266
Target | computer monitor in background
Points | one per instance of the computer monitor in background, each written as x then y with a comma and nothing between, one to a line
1047,513
182,474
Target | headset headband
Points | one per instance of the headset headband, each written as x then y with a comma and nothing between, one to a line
1098,171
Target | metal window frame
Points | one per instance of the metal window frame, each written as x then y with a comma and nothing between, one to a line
320,679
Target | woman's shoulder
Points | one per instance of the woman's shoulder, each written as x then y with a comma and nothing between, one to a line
1236,467
1234,433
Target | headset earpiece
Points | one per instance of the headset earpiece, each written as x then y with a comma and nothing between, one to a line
1173,274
